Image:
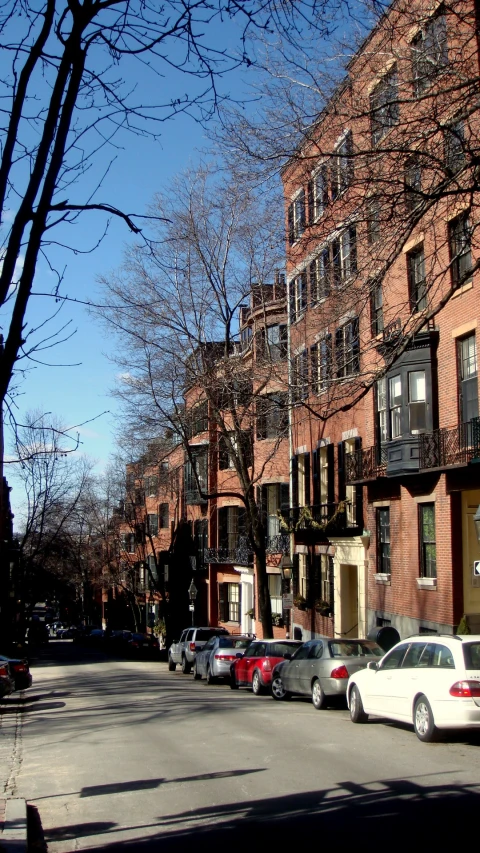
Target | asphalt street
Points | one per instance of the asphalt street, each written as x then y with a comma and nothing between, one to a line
121,755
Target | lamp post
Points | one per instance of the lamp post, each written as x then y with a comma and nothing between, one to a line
192,592
286,571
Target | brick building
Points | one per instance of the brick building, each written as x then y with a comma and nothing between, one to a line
382,215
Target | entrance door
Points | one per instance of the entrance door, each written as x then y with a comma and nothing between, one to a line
349,601
471,552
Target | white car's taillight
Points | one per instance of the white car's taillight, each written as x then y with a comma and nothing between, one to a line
468,689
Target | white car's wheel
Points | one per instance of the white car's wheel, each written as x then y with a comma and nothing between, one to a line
423,721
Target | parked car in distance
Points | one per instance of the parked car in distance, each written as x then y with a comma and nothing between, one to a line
215,659
321,668
7,682
254,669
430,682
143,645
192,640
19,671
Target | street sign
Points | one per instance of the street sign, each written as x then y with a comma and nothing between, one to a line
191,607
287,599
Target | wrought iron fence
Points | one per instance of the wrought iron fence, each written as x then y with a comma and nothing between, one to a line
241,553
450,446
368,464
279,544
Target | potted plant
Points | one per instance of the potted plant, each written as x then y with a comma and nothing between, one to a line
250,613
277,620
300,602
323,607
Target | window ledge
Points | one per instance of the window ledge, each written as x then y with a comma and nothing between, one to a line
427,583
383,577
467,286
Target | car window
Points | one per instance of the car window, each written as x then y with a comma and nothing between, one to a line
250,650
278,650
184,636
471,655
205,634
353,648
316,651
413,655
442,657
242,643
210,644
190,634
394,658
260,650
303,652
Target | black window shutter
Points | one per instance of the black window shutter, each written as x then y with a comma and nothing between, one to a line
261,418
239,602
295,480
352,238
283,341
291,225
307,478
222,602
301,202
262,503
315,477
223,527
359,491
331,473
342,493
241,521
295,572
285,500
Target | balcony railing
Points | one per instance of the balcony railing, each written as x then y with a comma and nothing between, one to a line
331,519
364,465
279,544
447,447
241,553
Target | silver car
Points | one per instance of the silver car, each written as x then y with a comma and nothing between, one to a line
321,668
215,659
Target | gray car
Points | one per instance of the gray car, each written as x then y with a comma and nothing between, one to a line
321,668
216,657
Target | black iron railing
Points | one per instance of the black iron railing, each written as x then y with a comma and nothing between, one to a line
364,465
240,553
279,544
333,519
447,447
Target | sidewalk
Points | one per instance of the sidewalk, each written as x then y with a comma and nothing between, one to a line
13,810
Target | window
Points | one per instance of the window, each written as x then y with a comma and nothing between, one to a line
412,183
163,514
394,659
127,542
417,404
413,656
429,52
348,253
373,220
454,141
276,342
318,194
231,526
246,337
296,218
467,379
233,614
272,416
376,308
428,547
152,525
302,576
321,363
342,166
395,394
298,296
460,249
151,485
416,279
196,476
229,598
384,107
199,417
275,590
383,540
320,277
300,376
347,349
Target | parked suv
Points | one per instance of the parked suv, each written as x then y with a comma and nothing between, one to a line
183,651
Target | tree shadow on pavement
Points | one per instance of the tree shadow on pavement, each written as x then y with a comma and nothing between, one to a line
386,814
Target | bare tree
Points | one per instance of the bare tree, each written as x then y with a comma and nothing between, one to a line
176,311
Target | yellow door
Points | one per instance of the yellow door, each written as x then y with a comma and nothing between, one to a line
349,601
471,552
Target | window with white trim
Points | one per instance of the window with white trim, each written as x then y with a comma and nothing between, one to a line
296,218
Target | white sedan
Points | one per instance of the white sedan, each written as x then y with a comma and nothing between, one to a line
430,681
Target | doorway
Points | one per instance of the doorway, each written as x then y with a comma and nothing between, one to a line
349,616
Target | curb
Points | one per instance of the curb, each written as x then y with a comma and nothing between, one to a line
13,839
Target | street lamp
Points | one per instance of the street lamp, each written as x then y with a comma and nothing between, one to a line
476,521
192,592
286,571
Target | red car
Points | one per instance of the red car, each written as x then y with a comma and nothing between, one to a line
254,668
